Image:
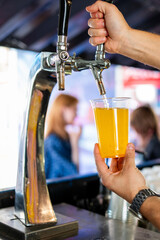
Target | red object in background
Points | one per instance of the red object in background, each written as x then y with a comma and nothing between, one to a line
135,76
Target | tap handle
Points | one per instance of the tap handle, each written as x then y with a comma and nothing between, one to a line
100,51
64,12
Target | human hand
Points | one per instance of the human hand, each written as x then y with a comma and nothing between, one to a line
122,177
74,132
107,25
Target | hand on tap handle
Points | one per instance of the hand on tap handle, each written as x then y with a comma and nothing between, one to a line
107,25
99,55
62,61
100,49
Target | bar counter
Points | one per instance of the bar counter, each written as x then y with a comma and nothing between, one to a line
91,226
77,198
96,227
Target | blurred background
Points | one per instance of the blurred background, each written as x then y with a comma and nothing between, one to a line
29,27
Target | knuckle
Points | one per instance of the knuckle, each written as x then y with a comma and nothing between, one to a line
130,154
113,7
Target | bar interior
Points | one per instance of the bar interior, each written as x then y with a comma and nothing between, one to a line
49,73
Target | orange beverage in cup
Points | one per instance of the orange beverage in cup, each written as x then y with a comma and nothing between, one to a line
112,123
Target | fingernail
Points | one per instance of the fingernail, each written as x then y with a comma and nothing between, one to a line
130,146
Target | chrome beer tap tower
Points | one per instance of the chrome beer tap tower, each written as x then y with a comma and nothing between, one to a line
32,202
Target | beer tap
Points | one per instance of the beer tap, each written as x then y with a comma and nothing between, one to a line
32,202
64,64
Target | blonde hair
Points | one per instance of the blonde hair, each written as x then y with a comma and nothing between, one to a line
143,118
54,120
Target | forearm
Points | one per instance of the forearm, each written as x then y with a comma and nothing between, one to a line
150,209
142,46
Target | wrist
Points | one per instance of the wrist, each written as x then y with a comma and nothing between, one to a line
74,142
146,205
135,191
125,42
141,204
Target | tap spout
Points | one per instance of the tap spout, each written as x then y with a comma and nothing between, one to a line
97,66
61,76
97,73
62,56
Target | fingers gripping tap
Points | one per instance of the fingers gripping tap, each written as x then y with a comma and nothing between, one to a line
63,64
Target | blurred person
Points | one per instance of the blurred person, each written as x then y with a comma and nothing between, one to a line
108,26
145,123
61,138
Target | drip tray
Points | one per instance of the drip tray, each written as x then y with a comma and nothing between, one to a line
12,228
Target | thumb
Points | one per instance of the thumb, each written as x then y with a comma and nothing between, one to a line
129,160
100,162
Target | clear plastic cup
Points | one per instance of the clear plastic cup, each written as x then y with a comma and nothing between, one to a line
112,123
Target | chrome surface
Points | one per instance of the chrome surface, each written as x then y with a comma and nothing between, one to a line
62,43
32,201
60,62
60,70
97,72
63,62
100,53
78,64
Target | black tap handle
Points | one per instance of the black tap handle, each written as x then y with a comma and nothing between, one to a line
64,12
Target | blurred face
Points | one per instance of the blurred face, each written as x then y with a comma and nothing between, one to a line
143,140
140,139
69,114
